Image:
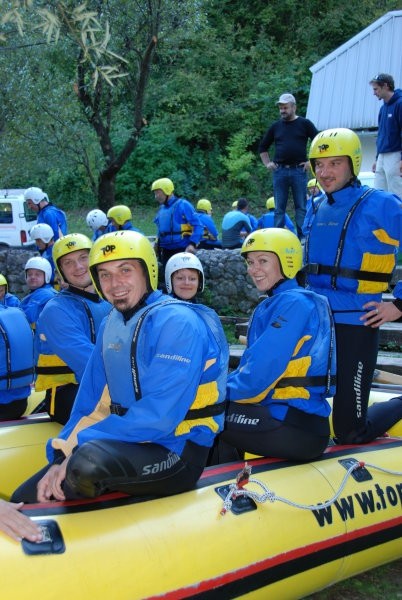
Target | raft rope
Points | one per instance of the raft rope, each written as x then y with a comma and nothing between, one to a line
238,489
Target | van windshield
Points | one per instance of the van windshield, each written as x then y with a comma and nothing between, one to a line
6,212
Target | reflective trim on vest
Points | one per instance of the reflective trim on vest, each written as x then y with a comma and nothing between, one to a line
51,372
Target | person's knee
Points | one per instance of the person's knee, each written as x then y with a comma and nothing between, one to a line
90,468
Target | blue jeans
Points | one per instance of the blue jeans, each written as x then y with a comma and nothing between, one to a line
294,178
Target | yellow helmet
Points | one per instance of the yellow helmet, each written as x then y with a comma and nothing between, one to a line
312,183
270,203
3,281
282,242
120,245
234,204
120,214
204,204
67,244
164,184
337,142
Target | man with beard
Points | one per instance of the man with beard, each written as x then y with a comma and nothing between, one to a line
290,135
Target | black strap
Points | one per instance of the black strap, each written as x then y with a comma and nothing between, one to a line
307,381
341,244
208,411
8,351
89,314
134,342
317,269
16,374
166,233
193,413
60,370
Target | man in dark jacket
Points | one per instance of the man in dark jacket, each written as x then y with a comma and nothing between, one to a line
388,163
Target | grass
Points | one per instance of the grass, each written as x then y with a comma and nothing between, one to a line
143,217
378,584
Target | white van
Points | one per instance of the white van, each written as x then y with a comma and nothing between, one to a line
16,219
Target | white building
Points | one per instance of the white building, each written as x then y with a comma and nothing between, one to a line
340,94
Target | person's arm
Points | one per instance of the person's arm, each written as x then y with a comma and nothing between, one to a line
267,357
213,233
267,162
16,525
263,148
192,219
89,394
384,312
66,329
390,213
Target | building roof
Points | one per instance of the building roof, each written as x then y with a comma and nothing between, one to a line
340,95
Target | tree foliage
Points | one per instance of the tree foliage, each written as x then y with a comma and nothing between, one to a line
100,98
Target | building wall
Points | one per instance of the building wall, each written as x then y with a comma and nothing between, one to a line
340,94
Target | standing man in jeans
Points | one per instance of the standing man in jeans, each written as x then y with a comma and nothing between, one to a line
388,163
290,135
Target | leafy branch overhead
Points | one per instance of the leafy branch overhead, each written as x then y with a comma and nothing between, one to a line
79,24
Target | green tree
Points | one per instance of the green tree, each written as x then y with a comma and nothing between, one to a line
92,34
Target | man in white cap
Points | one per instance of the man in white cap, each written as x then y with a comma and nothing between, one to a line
290,135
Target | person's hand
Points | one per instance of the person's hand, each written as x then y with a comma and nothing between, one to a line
379,313
271,166
374,167
191,248
306,166
16,525
50,485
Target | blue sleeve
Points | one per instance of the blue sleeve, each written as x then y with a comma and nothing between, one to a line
192,219
267,356
31,308
12,301
210,225
88,396
397,292
67,334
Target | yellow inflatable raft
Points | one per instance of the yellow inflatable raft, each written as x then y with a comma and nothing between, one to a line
284,531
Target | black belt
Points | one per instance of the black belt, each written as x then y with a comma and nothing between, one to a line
195,413
61,370
17,374
307,381
290,166
317,269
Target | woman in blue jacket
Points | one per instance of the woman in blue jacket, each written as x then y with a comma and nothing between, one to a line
278,395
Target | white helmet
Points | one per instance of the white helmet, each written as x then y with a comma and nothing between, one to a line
96,218
42,231
42,264
182,260
35,194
